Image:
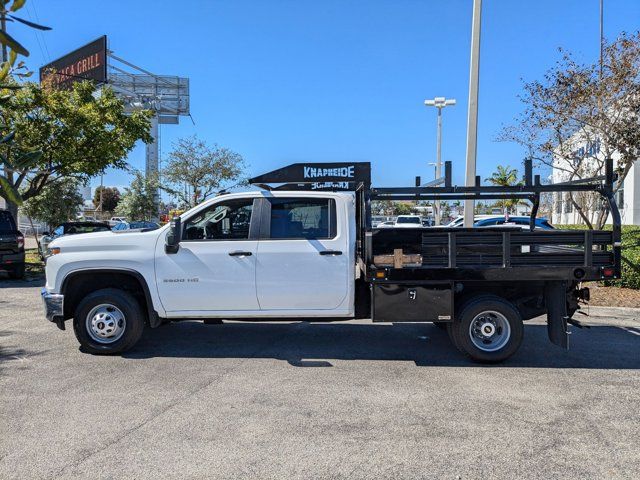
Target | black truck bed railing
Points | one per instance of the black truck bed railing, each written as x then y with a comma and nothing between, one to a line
589,254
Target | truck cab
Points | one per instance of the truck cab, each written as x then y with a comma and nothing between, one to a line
242,255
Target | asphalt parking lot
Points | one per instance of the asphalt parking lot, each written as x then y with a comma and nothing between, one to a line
298,400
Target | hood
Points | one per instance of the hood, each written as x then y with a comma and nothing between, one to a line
108,241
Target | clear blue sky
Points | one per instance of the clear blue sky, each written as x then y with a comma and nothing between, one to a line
283,81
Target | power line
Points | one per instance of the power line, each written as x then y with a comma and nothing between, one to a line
37,19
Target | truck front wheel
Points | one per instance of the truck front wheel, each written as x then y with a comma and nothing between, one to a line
488,329
108,321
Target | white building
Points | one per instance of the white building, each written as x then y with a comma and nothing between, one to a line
589,158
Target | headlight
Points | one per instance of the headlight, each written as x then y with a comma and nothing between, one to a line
52,251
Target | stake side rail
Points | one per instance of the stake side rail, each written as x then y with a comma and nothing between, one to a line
499,255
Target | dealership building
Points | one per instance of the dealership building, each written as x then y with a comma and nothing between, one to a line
590,157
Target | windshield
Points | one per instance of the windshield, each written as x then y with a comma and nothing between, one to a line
133,225
75,229
409,220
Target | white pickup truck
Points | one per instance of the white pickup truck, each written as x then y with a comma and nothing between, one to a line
241,255
295,253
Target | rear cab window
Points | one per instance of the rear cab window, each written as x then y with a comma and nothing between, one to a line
302,218
7,224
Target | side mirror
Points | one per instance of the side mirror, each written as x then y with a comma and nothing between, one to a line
173,237
45,234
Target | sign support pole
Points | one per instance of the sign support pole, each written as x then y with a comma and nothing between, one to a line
151,162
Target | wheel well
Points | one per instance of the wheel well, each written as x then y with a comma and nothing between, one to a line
527,297
78,285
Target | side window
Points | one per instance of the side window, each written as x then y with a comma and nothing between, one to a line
302,218
491,222
223,221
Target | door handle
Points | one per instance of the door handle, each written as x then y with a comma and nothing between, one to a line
330,252
240,254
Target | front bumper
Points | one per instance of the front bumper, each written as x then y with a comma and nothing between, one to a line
53,307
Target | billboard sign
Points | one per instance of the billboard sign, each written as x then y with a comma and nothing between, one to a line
86,63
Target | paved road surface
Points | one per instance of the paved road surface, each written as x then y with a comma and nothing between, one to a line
297,400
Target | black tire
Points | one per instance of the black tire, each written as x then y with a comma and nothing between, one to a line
133,325
17,271
507,327
441,325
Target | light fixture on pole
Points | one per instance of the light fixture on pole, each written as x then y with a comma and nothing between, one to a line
439,103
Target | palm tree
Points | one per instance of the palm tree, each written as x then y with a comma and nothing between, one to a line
505,176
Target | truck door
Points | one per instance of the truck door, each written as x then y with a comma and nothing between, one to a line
303,255
215,267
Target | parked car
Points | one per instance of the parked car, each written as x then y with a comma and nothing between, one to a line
502,221
142,225
70,228
483,221
11,246
459,221
113,221
387,224
408,221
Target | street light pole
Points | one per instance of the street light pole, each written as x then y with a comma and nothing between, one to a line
439,103
472,116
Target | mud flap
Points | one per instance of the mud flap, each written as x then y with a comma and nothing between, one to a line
555,294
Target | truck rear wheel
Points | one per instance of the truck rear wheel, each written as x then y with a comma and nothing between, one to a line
108,321
488,329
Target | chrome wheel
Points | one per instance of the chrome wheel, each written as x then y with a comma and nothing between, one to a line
105,323
489,331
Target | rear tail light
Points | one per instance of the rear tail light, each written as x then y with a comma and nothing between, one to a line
608,272
20,241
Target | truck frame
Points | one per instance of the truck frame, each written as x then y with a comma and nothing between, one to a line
478,284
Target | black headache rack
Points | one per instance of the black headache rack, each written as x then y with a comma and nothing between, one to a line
450,254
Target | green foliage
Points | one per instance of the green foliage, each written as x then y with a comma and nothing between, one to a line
505,176
63,133
403,209
630,254
137,202
56,203
195,170
386,207
8,66
576,106
110,198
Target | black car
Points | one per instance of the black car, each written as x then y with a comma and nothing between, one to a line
11,246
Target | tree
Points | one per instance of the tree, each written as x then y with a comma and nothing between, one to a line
195,170
137,202
49,134
401,208
58,202
110,198
505,176
580,114
11,47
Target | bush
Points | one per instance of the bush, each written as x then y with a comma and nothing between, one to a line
630,254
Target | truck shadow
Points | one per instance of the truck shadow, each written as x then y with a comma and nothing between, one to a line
304,344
